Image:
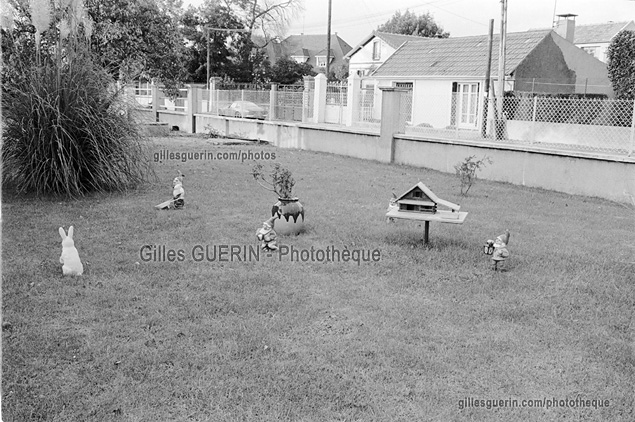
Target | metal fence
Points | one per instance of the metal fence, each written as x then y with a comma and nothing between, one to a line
586,124
221,100
173,104
289,102
596,125
548,121
336,100
309,97
369,108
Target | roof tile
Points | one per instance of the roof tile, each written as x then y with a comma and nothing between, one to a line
461,56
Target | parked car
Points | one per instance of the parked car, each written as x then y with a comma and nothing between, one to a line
245,109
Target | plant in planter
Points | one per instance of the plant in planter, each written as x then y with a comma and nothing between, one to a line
288,211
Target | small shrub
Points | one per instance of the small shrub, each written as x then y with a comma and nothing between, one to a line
213,132
279,180
466,171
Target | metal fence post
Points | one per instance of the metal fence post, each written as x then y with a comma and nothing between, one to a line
155,102
533,121
632,132
273,101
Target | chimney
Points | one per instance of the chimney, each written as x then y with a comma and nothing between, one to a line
565,26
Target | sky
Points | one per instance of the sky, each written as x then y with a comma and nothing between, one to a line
355,19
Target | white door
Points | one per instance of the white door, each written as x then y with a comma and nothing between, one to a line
467,105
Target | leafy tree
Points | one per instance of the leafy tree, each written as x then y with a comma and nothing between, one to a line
409,23
268,18
234,55
136,38
129,37
339,74
621,65
287,71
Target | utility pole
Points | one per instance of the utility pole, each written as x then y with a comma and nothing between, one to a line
488,76
328,44
501,59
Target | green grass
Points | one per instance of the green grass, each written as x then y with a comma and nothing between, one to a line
402,339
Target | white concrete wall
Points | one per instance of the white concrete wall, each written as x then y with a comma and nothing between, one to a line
363,59
573,173
432,103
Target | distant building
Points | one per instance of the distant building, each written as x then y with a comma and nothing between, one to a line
595,38
446,77
374,50
310,49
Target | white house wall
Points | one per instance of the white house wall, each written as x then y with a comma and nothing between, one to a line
363,58
432,100
432,103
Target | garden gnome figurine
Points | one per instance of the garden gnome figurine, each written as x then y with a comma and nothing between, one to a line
392,205
178,193
267,236
501,253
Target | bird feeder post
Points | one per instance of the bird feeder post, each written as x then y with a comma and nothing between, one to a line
426,232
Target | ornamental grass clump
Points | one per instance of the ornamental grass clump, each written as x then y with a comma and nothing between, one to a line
67,128
71,138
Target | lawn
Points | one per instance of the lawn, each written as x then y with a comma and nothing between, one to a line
421,333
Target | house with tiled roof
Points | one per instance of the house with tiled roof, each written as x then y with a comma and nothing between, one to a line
446,76
373,50
596,38
309,48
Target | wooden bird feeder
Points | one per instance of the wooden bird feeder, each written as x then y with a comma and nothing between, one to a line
419,203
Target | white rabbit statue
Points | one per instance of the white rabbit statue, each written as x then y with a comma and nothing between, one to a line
71,264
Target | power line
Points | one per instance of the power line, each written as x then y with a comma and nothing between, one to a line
372,19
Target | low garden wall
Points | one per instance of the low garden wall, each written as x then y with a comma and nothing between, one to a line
581,173
614,137
577,173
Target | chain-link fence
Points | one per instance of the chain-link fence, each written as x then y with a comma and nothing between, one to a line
603,125
599,124
563,85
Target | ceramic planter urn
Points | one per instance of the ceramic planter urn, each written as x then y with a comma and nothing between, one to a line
290,214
